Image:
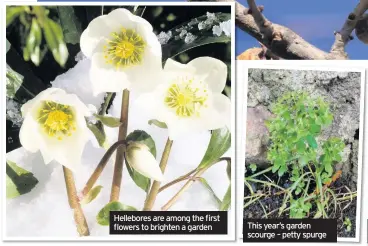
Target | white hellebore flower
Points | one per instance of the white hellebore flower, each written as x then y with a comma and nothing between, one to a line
189,98
125,52
54,123
140,159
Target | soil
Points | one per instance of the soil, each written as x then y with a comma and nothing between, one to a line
274,202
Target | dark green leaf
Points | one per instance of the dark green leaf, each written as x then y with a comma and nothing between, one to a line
219,143
175,46
13,82
55,41
226,201
144,138
157,123
92,194
103,217
311,141
71,26
18,180
108,120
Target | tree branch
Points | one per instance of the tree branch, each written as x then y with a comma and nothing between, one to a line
344,35
282,41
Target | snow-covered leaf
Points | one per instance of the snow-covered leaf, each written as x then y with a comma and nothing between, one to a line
92,194
72,27
144,138
103,217
219,143
18,180
188,35
108,120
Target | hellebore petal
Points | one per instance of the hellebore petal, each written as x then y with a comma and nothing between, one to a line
190,99
124,51
140,158
54,124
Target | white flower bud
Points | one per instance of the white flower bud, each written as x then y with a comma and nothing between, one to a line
140,159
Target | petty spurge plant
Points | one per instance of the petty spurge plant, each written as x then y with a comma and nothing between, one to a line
299,154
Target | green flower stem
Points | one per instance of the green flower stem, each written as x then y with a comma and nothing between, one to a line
151,196
175,181
118,169
199,172
79,218
100,167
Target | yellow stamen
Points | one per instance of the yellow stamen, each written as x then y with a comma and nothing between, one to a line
56,119
186,96
125,49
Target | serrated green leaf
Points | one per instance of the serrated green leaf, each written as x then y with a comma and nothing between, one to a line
142,137
55,41
176,46
71,26
219,143
103,217
13,82
226,201
157,123
18,180
92,194
108,120
215,197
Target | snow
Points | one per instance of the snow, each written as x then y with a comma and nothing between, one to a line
164,37
45,211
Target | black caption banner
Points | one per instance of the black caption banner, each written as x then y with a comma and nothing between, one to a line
168,222
290,230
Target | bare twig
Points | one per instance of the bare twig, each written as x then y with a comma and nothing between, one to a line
343,36
280,40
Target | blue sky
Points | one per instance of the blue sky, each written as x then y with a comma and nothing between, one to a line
314,20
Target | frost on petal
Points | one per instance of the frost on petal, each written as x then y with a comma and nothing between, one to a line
164,37
190,38
217,30
201,25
